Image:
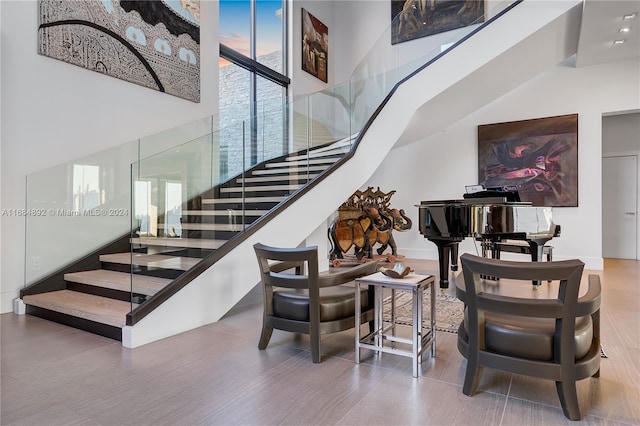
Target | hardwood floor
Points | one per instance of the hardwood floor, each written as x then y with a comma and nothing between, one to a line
55,375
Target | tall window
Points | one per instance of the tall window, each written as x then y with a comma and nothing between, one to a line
253,84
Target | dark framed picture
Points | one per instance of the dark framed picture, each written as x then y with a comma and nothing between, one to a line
315,46
413,19
538,156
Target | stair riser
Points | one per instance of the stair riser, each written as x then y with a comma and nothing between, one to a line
101,291
238,192
237,219
234,203
143,270
80,323
192,252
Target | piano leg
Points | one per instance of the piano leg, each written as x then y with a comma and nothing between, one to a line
536,250
446,251
454,257
443,260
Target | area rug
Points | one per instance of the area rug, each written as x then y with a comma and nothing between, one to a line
449,310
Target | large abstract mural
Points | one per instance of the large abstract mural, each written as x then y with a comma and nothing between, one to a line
539,157
155,44
413,19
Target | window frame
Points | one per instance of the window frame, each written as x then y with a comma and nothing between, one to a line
257,69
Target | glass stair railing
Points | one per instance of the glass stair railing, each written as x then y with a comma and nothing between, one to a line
156,212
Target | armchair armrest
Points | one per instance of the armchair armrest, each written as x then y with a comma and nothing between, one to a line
348,275
590,302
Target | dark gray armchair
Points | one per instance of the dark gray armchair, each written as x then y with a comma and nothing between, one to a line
556,339
306,301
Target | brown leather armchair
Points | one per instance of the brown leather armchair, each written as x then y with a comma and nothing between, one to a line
308,302
556,339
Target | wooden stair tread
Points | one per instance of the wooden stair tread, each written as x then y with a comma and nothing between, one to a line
288,187
226,212
339,150
86,306
277,178
290,171
238,200
142,284
161,261
200,243
233,227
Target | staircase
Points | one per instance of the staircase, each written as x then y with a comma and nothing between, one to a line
98,300
421,103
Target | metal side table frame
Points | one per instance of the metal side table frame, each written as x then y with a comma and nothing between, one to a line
421,339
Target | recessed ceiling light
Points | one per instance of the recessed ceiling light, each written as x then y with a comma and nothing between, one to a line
625,30
618,42
630,16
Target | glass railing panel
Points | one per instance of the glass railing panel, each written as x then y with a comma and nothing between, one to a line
76,208
329,112
299,125
270,134
165,184
372,80
280,171
170,229
389,61
169,138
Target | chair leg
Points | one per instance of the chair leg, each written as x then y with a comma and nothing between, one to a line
472,378
568,395
315,347
265,336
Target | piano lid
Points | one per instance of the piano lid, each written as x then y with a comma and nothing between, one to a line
474,201
479,191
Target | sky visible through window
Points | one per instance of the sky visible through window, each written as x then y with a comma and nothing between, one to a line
235,22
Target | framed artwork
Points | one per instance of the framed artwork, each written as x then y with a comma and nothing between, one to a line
412,19
155,44
315,46
538,156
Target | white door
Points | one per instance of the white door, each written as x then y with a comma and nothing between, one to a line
619,206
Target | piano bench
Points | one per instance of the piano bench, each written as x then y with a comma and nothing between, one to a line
513,247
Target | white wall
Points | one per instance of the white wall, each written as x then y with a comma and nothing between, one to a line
439,167
362,29
621,133
303,83
53,112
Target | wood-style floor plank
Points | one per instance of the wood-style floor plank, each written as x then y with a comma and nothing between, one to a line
52,374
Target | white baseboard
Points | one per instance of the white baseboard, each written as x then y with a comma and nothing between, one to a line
19,307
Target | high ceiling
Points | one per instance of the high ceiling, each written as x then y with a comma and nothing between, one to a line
602,21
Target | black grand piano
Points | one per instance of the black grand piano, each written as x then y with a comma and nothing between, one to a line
490,216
